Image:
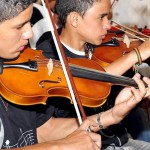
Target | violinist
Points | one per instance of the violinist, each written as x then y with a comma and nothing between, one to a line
34,127
124,12
89,24
26,127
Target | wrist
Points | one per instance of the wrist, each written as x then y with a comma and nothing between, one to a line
139,59
99,121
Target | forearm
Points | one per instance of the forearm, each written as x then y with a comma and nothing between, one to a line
121,65
127,61
53,145
114,115
118,112
56,128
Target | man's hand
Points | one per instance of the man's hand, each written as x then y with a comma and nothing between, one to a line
82,139
129,97
135,95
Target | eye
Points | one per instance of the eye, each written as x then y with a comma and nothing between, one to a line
103,16
19,27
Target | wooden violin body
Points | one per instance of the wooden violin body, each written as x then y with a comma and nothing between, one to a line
105,55
25,87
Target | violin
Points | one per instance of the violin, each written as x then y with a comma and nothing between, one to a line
28,87
106,54
25,81
146,31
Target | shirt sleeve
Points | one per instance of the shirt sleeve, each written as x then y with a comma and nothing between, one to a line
44,113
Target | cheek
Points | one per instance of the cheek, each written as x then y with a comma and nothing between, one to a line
10,39
8,47
91,32
96,29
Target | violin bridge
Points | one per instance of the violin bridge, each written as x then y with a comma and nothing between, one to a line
126,40
50,67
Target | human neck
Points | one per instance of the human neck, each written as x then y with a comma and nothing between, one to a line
72,41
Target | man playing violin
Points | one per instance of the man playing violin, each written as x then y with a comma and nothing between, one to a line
23,127
34,127
87,22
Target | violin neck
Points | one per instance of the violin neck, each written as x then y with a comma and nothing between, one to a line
83,72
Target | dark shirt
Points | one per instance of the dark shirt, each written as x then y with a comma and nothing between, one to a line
115,134
18,124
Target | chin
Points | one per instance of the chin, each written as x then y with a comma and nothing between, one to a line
12,56
98,43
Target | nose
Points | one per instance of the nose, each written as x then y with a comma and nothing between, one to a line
28,33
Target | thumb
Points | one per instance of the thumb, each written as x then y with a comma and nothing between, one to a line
86,124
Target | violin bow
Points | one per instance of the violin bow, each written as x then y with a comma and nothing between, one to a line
71,85
113,3
126,28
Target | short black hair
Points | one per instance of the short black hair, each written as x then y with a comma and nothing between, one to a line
11,8
64,7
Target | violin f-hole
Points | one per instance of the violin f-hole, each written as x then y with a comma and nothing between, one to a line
42,82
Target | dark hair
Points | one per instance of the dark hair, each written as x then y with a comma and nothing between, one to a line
64,7
11,8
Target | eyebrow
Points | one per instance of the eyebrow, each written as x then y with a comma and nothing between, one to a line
23,23
103,15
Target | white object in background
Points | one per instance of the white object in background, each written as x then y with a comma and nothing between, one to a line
144,69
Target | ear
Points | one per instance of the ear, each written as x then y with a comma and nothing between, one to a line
74,19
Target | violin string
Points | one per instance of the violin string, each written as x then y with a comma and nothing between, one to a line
79,67
87,69
116,78
100,72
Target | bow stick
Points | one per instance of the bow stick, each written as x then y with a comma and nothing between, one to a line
113,3
71,85
139,33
